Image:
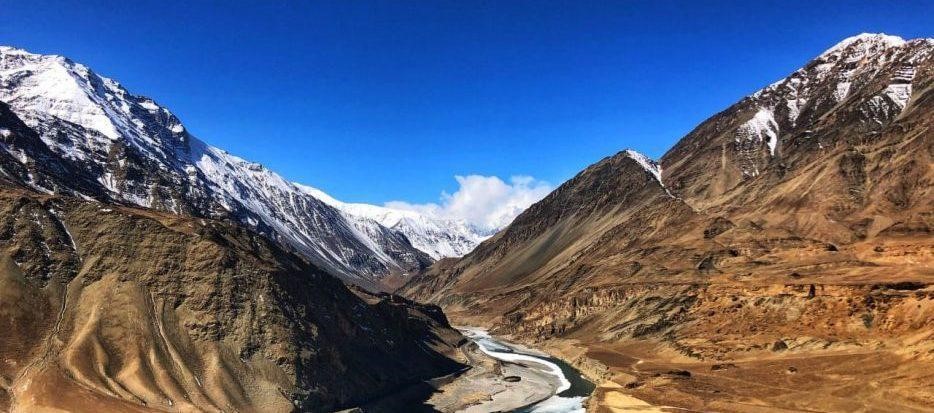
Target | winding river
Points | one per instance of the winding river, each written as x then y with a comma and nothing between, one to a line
573,388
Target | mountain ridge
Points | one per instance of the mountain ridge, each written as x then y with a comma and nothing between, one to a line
788,229
459,237
139,153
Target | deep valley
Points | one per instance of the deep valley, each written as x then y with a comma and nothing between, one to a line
779,257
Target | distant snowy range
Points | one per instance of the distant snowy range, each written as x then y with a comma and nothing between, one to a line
123,148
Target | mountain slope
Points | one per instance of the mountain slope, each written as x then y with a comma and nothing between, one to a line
795,224
105,306
125,148
108,308
609,197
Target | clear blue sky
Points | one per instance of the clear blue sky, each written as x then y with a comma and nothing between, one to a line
388,100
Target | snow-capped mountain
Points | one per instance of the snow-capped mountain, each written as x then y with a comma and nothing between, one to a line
823,179
437,237
124,148
840,124
873,69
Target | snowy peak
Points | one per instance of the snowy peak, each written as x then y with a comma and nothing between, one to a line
864,43
647,163
850,60
57,86
875,70
137,153
437,237
857,90
51,85
44,89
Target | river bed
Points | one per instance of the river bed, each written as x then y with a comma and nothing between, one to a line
567,396
501,377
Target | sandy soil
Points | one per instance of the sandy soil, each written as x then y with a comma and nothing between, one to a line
846,380
610,397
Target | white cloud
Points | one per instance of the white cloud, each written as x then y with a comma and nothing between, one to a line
486,202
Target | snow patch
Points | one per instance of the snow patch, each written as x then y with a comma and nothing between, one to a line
899,93
149,105
647,163
865,41
71,239
794,108
762,127
842,91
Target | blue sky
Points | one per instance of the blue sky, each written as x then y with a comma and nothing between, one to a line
388,100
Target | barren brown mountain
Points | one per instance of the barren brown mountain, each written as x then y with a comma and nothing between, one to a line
779,256
111,308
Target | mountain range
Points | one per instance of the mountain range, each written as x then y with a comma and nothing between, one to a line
783,243
779,257
127,149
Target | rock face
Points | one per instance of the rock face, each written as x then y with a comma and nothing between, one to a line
109,308
791,216
122,148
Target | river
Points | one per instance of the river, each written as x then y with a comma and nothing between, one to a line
573,389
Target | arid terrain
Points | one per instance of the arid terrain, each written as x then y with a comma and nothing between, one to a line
778,257
109,308
162,299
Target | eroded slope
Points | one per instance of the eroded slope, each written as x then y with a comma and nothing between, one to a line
116,309
794,224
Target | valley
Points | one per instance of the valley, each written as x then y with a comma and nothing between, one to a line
778,257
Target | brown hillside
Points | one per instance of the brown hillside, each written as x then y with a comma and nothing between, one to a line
784,260
107,308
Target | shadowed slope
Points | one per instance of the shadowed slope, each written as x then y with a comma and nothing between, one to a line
128,310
